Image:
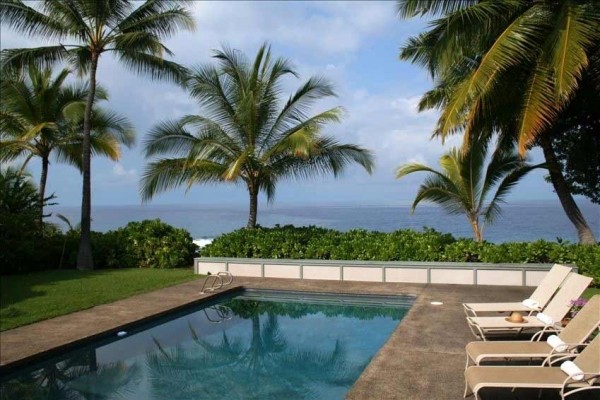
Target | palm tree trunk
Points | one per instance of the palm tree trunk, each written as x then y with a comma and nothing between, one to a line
584,232
43,179
253,207
84,257
476,230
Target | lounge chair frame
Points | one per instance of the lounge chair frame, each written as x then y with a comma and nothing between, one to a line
558,307
543,294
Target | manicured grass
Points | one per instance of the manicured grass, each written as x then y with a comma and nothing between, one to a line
37,296
590,292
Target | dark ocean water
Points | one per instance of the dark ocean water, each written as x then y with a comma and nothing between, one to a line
519,221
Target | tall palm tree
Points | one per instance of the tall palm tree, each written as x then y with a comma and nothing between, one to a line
246,133
508,67
464,183
42,116
85,30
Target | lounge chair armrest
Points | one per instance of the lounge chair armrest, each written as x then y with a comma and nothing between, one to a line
556,357
554,328
587,377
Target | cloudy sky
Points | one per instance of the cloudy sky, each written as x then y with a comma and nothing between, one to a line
354,44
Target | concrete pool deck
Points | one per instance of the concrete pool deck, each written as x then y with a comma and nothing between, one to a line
423,359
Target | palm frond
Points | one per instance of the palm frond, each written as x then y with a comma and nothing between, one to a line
440,191
521,37
42,56
575,31
413,8
538,109
19,16
168,137
158,17
492,211
153,66
165,174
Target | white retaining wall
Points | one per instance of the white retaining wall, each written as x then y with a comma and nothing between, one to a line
377,271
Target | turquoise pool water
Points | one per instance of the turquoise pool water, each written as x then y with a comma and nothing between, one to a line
254,345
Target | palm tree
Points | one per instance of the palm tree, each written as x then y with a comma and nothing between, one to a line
509,67
464,183
246,133
133,32
41,116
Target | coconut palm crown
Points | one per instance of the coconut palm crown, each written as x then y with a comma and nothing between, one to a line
508,67
246,133
42,116
464,183
523,54
84,30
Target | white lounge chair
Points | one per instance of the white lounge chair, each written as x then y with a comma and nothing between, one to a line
540,297
573,335
477,377
554,312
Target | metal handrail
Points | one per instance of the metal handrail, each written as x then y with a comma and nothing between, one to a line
228,275
216,279
222,312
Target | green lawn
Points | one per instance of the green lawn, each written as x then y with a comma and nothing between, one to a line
33,297
590,292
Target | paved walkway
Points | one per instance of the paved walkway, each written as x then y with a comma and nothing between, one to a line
423,359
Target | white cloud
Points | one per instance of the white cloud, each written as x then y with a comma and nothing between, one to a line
326,27
118,176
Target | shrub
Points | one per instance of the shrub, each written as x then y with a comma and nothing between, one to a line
150,244
146,244
403,245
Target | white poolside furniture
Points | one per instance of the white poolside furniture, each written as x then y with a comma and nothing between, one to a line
549,321
540,297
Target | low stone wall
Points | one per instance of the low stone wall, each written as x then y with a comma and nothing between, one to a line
378,271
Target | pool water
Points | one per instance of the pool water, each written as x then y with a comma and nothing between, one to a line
254,345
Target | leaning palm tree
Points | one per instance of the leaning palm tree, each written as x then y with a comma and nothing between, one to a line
464,183
508,67
41,116
245,133
85,30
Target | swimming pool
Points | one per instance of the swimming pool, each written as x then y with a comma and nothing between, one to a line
248,345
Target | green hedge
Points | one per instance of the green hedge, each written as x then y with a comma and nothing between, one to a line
145,244
403,245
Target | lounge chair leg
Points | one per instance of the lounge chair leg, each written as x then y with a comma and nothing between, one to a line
466,394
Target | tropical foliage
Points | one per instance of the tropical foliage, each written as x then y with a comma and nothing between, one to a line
246,133
464,184
41,116
403,245
20,228
84,30
576,142
507,67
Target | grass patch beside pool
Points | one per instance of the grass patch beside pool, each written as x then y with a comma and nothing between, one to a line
25,299
590,292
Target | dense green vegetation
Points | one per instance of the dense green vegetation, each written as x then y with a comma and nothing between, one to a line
145,244
20,228
247,132
403,245
27,298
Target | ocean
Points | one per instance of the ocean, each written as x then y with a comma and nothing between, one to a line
523,221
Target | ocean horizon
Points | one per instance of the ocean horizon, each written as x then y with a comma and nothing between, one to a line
520,221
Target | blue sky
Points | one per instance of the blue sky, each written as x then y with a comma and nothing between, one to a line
354,44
